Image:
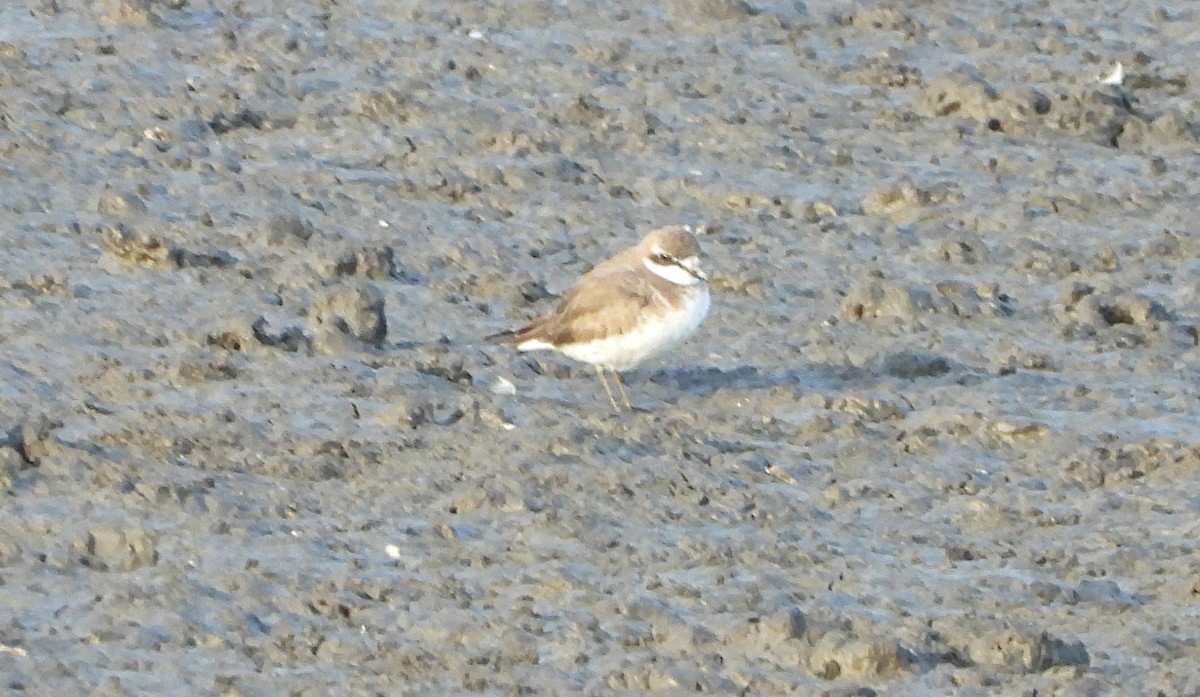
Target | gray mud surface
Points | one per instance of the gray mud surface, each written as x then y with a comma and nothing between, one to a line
938,436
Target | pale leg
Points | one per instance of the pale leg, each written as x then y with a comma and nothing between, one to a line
621,387
607,389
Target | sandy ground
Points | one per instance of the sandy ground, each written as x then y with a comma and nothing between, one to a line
938,435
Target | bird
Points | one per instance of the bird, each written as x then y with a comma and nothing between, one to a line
627,309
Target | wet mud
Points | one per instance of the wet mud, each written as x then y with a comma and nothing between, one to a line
937,436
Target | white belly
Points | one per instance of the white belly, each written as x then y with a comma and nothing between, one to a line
654,336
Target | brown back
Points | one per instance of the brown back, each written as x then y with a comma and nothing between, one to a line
604,303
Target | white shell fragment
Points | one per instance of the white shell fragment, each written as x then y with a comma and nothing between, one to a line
1116,76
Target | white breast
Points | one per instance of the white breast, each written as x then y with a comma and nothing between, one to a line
657,332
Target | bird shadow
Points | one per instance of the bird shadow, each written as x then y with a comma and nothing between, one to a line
705,381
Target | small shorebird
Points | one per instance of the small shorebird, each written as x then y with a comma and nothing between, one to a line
630,307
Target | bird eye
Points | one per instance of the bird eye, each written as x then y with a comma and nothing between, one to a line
662,258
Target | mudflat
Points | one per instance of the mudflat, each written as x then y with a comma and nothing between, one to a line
937,436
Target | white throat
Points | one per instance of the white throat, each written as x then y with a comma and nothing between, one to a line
671,272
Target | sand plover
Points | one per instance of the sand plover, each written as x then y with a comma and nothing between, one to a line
629,308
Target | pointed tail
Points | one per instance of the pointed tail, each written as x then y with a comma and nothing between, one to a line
505,337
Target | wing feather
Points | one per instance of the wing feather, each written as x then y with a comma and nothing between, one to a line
601,305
